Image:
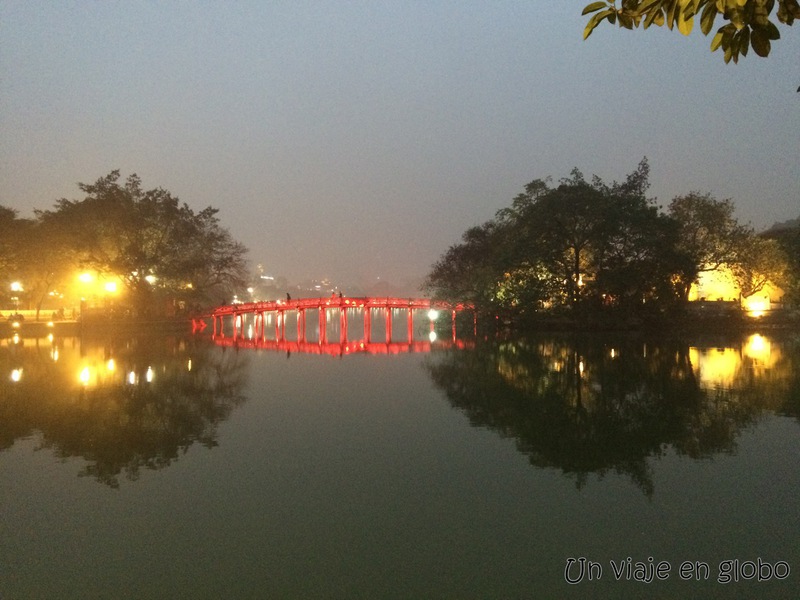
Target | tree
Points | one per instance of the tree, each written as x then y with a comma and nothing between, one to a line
468,270
762,262
602,244
787,236
709,235
45,260
579,245
565,226
156,245
747,22
8,224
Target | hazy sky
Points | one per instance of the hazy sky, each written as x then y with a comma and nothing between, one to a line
358,140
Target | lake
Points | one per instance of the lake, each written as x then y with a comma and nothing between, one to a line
602,466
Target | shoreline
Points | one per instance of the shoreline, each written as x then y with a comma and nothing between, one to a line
72,328
687,324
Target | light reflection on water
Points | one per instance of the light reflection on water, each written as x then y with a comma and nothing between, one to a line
470,473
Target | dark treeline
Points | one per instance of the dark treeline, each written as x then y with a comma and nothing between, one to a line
585,250
164,254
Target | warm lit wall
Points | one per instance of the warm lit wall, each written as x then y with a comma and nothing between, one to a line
720,285
715,285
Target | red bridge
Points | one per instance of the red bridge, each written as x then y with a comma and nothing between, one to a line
247,323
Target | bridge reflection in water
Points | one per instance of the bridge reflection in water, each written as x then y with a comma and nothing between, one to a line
264,325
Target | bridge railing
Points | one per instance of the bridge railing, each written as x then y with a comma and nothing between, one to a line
337,302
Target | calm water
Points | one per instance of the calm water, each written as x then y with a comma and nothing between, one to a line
177,468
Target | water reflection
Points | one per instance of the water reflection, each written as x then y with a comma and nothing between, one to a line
120,404
596,405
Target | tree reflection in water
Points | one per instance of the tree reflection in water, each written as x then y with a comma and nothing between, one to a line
121,405
588,405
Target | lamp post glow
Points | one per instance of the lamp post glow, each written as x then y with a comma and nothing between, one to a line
433,314
16,287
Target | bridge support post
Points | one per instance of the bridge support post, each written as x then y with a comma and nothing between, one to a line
301,325
323,326
388,313
367,325
410,324
343,324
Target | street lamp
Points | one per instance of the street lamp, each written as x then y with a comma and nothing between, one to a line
16,287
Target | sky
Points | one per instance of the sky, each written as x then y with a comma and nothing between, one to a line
358,140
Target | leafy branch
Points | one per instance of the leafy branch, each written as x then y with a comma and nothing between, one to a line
747,23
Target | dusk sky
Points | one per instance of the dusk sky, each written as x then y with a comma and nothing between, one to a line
358,140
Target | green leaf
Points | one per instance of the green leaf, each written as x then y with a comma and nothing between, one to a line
737,18
595,21
760,42
625,21
685,26
647,5
688,8
671,14
708,17
772,31
594,6
717,41
653,17
744,37
590,25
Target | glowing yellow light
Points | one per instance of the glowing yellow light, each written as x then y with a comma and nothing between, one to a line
613,353
433,314
15,339
111,287
131,377
581,367
54,354
756,306
86,277
759,350
16,375
149,375
715,367
189,365
432,336
111,365
151,279
16,286
84,376
756,343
